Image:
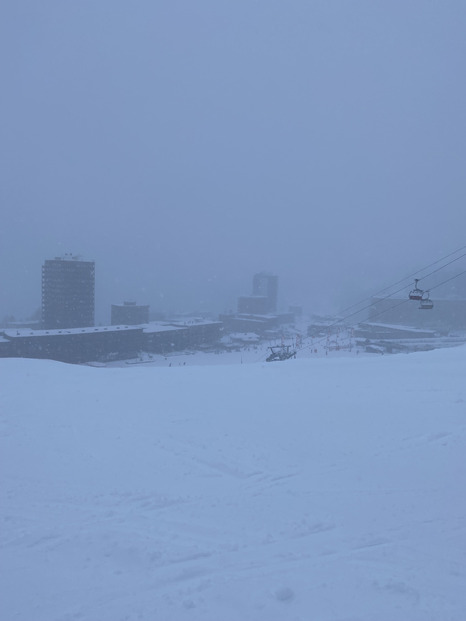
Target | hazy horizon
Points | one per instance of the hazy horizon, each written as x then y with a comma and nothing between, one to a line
186,146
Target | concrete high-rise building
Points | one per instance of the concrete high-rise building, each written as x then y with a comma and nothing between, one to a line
130,314
266,285
68,290
264,295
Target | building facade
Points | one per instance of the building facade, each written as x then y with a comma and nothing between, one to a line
130,314
253,304
108,343
264,295
265,284
445,316
68,293
74,345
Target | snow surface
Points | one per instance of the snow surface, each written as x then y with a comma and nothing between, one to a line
327,489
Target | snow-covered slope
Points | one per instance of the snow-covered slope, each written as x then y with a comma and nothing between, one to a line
326,489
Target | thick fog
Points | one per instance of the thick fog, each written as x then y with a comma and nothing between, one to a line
185,146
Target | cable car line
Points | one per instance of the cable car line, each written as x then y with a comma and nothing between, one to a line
408,277
448,280
386,309
441,268
425,303
398,290
407,300
423,296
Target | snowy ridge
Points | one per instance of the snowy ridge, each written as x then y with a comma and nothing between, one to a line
328,489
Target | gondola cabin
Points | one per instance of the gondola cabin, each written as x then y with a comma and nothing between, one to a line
416,293
426,303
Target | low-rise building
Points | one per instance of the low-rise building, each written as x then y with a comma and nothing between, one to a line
164,337
446,315
74,345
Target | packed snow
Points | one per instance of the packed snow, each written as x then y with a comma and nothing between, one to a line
327,489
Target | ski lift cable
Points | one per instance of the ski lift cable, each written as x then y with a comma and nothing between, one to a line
345,318
443,266
342,319
407,300
391,308
386,310
393,292
448,280
409,277
354,325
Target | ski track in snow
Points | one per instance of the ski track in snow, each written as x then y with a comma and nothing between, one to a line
327,489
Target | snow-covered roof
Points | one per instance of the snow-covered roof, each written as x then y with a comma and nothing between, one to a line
255,316
130,304
255,319
193,321
25,332
154,326
248,337
68,256
394,326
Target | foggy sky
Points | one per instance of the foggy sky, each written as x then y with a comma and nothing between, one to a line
184,146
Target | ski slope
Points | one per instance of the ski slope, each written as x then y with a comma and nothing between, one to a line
327,489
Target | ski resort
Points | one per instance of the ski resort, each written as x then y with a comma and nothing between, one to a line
233,311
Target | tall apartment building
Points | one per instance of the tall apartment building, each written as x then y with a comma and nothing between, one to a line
266,285
68,290
130,314
264,295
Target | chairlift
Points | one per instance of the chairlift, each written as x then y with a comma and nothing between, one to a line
426,302
416,293
281,352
